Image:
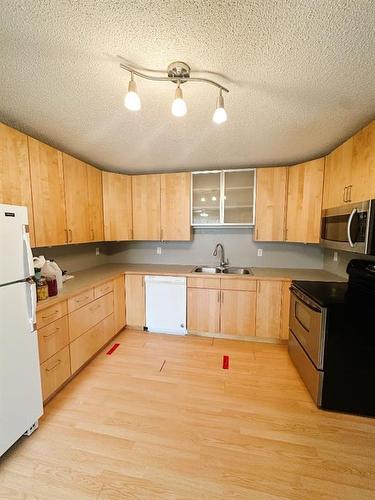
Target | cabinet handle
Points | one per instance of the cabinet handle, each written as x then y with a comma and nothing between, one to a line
54,366
70,235
66,236
344,195
94,308
50,315
50,334
350,192
82,299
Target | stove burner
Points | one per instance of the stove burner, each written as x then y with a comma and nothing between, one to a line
370,268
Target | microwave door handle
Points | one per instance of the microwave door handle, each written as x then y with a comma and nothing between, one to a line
349,227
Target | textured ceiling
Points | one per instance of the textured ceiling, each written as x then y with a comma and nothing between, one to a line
300,73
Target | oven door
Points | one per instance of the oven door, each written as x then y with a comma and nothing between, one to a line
347,227
307,322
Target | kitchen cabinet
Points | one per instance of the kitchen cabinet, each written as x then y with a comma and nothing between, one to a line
54,372
338,176
86,317
135,300
95,190
285,310
146,207
48,194
269,308
271,195
117,206
15,182
76,200
203,310
52,338
304,202
237,314
363,164
175,206
223,198
119,303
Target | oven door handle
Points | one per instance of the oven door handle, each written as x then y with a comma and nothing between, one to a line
349,227
313,308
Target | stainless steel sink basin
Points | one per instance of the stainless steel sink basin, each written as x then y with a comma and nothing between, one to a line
237,270
207,269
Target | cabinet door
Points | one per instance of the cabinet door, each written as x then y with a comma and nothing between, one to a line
135,300
337,175
271,191
119,303
76,199
305,191
363,168
95,189
206,198
15,183
146,207
117,206
47,182
238,312
176,206
239,197
203,310
268,315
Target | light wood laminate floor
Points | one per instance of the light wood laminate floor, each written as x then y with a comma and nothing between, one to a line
125,429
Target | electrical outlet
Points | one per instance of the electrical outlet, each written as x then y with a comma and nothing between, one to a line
158,250
97,251
260,252
335,256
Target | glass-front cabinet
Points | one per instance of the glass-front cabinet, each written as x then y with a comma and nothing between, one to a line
223,197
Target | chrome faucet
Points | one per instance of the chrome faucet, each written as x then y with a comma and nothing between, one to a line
223,262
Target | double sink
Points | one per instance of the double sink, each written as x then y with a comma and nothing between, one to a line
223,270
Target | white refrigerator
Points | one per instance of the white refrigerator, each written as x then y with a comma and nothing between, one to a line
21,402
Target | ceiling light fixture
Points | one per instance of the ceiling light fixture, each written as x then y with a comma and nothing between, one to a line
179,105
178,73
220,115
132,100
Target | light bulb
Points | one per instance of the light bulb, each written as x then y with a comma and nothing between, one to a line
179,105
132,100
220,115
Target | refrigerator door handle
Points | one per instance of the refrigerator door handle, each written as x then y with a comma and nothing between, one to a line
32,304
27,250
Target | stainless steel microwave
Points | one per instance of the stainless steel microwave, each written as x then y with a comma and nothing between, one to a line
349,228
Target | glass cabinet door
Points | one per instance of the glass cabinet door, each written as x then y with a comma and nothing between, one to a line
206,198
239,197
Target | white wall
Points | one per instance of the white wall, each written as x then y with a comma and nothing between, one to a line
339,266
239,248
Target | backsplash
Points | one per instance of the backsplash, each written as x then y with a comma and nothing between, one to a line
238,244
75,257
339,266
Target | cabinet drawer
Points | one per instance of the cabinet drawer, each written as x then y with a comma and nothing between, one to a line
103,289
50,314
239,284
89,315
80,300
55,372
52,338
204,283
84,347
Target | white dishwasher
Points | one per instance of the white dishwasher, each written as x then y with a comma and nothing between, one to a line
166,304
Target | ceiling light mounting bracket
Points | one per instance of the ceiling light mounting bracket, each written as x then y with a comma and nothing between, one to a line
179,71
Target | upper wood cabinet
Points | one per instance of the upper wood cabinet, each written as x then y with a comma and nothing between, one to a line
48,194
15,184
146,207
363,164
117,206
338,176
95,189
76,199
175,196
271,192
304,203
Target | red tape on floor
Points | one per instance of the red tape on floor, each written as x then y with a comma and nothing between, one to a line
225,362
112,349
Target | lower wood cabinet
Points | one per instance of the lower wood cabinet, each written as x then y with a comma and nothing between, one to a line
203,310
52,338
238,312
119,303
89,343
54,372
89,315
135,300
